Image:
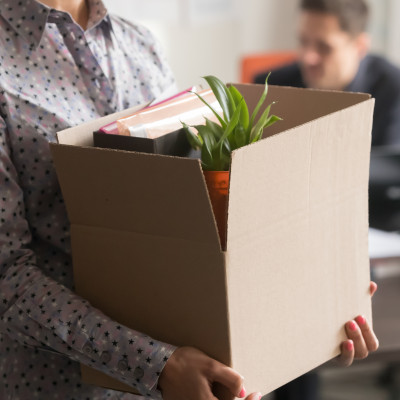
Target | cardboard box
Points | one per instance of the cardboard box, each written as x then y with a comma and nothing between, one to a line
296,267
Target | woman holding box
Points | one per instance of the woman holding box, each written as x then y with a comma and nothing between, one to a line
62,63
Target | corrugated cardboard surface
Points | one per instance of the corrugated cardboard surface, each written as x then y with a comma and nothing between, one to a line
136,192
298,238
82,135
296,266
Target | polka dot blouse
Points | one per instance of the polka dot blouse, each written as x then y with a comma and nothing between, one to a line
54,75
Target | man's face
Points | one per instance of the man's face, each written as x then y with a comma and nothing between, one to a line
329,57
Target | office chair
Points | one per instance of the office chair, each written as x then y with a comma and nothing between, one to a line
252,64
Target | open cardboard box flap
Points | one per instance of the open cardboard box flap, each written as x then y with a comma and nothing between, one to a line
296,265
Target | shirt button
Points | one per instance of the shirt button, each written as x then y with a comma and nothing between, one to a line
122,365
138,373
87,349
105,357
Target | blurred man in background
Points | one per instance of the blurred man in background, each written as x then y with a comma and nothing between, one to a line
333,46
332,54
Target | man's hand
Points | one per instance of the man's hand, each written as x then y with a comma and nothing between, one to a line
189,375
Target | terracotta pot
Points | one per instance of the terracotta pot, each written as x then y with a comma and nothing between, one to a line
218,189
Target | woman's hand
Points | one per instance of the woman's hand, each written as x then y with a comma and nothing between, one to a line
189,375
361,338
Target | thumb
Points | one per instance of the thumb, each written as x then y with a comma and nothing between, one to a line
254,396
229,378
373,288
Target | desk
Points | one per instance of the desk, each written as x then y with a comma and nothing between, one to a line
385,270
386,311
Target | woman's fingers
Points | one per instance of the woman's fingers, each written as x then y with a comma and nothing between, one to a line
361,337
361,341
233,381
254,396
354,333
346,356
373,287
370,339
190,374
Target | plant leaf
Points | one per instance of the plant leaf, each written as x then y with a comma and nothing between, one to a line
194,140
240,137
238,98
232,123
272,120
230,127
260,123
237,128
264,121
220,119
216,129
236,95
209,140
259,104
206,159
223,96
221,161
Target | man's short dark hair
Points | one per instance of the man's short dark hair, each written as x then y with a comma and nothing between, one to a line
352,14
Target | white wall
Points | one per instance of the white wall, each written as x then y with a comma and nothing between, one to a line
204,37
197,45
267,24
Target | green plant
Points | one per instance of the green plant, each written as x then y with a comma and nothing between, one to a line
237,128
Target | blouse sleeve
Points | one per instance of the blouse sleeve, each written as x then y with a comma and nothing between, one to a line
39,312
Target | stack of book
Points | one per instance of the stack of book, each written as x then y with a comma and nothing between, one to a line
158,128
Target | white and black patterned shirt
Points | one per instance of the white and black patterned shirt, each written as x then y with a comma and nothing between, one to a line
54,75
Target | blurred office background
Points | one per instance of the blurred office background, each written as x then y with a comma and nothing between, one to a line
203,37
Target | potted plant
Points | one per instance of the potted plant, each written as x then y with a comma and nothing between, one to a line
236,128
